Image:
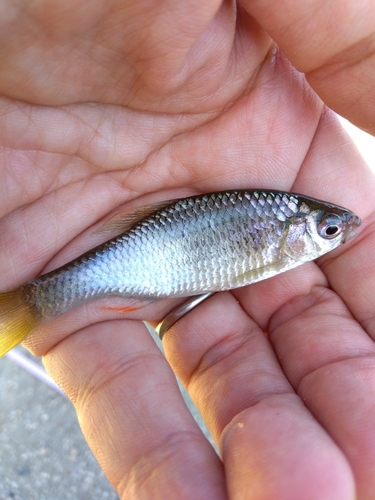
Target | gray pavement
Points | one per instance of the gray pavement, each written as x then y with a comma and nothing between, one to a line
43,455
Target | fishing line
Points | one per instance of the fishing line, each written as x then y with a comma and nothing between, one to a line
34,369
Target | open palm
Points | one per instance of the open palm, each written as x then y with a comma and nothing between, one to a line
105,104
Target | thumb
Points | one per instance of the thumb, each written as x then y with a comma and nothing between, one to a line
333,43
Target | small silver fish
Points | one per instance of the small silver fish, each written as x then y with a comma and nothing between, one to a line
178,248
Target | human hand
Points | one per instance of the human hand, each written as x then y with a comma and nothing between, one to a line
134,102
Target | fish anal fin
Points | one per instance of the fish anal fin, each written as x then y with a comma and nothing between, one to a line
129,305
123,309
124,220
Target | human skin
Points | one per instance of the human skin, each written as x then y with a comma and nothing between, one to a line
128,102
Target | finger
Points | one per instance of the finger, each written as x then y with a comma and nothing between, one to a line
333,43
271,445
330,361
133,416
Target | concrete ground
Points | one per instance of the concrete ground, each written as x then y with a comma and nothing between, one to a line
43,455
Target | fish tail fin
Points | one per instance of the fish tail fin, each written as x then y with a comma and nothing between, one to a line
18,318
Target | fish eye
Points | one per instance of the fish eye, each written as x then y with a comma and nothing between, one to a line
330,226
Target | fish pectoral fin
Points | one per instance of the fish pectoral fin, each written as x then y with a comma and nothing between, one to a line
123,221
262,273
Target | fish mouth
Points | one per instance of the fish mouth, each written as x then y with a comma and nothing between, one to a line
351,223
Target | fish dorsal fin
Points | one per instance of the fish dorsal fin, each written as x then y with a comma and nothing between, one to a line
124,220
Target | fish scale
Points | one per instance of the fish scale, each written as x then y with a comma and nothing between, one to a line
141,249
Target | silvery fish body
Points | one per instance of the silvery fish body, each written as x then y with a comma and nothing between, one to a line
206,243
